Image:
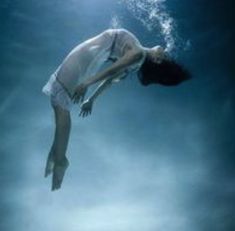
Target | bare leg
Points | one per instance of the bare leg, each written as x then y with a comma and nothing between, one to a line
57,161
50,161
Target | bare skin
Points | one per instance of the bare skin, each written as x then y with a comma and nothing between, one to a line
86,106
157,54
118,68
57,162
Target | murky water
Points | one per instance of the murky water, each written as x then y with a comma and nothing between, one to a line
148,158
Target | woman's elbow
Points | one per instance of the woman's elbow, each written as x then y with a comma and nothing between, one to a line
137,55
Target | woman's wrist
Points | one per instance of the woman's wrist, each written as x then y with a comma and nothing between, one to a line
87,83
91,99
83,85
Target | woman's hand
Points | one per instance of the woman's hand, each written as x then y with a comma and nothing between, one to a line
79,93
86,108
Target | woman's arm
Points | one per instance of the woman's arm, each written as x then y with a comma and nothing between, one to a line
111,72
116,68
104,85
86,106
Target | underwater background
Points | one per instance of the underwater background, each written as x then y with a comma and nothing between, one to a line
148,158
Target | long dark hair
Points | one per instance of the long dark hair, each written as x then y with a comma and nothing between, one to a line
168,73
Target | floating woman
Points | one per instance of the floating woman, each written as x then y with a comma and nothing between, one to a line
82,68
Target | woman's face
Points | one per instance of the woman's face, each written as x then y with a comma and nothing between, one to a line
158,54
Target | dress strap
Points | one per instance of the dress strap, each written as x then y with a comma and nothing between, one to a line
112,48
63,86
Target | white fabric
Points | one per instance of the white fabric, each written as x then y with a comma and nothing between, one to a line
57,93
86,59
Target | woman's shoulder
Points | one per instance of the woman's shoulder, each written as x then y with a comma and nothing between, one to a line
129,40
128,37
122,33
118,30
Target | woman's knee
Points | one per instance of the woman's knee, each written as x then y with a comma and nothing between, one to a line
62,116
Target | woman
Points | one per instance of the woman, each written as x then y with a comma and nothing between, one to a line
82,68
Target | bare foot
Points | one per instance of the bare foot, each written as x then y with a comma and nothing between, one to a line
58,173
49,165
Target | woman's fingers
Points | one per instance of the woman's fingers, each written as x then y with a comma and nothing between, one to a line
75,97
86,108
79,94
78,98
84,113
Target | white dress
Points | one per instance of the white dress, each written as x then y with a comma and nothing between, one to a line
85,60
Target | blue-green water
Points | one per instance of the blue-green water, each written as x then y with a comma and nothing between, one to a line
148,158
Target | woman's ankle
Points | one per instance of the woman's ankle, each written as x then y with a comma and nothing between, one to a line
62,161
